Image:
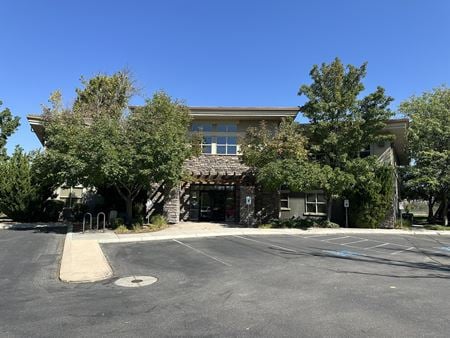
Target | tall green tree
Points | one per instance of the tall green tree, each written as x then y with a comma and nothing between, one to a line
8,125
22,192
278,156
341,122
269,143
429,147
100,143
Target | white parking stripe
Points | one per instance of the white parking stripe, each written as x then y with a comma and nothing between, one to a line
396,252
359,241
333,239
376,246
201,252
375,240
266,243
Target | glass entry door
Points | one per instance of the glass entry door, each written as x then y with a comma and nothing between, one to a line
215,203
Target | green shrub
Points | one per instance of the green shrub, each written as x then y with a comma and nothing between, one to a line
372,195
326,224
293,222
265,226
117,222
52,210
139,220
158,220
437,227
121,229
403,224
137,227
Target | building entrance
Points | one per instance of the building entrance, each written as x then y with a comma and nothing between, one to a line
215,203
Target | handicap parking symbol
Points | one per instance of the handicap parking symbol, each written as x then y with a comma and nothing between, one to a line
343,253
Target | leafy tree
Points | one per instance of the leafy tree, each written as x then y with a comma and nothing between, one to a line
22,193
280,158
305,176
263,145
429,147
8,124
341,124
100,143
277,155
372,192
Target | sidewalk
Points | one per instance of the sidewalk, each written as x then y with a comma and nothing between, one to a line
83,259
198,230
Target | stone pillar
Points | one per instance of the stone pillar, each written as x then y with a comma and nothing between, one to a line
389,221
247,212
171,207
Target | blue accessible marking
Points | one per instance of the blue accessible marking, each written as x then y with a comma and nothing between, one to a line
445,248
343,253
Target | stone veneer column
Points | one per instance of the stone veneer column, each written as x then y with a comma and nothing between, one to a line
247,212
172,205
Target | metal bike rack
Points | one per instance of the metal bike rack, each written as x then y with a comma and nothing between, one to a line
90,221
104,220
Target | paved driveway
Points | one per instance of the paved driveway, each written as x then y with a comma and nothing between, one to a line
232,286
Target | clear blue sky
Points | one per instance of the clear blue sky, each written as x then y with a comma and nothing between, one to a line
216,52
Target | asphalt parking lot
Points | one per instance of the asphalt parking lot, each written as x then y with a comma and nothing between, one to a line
328,285
272,286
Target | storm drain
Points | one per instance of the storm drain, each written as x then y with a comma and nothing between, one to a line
135,281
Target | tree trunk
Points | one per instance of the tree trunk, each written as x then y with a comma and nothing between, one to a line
330,208
129,209
128,198
430,209
445,209
439,212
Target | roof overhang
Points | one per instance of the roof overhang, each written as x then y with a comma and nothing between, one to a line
36,123
248,113
399,128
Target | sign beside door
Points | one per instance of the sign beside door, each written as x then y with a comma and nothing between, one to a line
248,200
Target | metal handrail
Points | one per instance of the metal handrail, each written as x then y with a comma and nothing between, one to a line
84,221
104,220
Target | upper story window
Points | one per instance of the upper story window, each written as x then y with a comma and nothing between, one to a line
217,138
227,127
226,145
207,145
202,127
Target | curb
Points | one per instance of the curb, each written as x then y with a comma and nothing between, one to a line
83,262
259,232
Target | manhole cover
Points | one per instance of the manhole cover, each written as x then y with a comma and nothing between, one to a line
135,281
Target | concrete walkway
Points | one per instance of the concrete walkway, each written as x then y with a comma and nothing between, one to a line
83,260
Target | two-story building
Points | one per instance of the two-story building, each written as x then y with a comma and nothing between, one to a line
220,188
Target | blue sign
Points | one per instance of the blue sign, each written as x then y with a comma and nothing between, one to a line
343,253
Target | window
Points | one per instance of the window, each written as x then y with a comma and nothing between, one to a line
226,145
284,200
217,138
206,144
316,203
227,127
201,127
